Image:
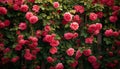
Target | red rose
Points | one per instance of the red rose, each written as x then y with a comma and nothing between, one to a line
15,59
74,26
70,52
87,52
74,64
47,28
7,22
100,14
93,16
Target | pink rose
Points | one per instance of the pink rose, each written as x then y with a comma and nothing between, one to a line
74,64
31,1
33,19
35,8
92,59
2,25
21,41
110,2
87,52
93,16
53,50
24,8
89,40
22,26
47,28
115,8
70,52
7,22
15,59
16,7
98,26
54,43
77,19
96,65
78,54
6,50
19,2
38,33
48,38
74,26
59,66
108,32
28,56
18,47
50,59
68,36
56,4
115,34
79,8
92,28
75,35
3,11
113,19
100,14
28,15
67,16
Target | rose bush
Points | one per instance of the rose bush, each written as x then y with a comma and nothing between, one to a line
56,34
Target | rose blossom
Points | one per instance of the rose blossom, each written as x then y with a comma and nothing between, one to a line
115,34
31,1
68,36
89,40
7,22
87,52
70,52
54,43
48,38
15,59
100,14
108,32
74,64
93,16
24,8
3,11
33,19
92,28
47,28
59,66
53,50
78,54
50,59
79,8
18,47
35,8
16,7
28,15
74,26
28,56
56,4
92,59
77,19
113,19
67,16
22,26
75,35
